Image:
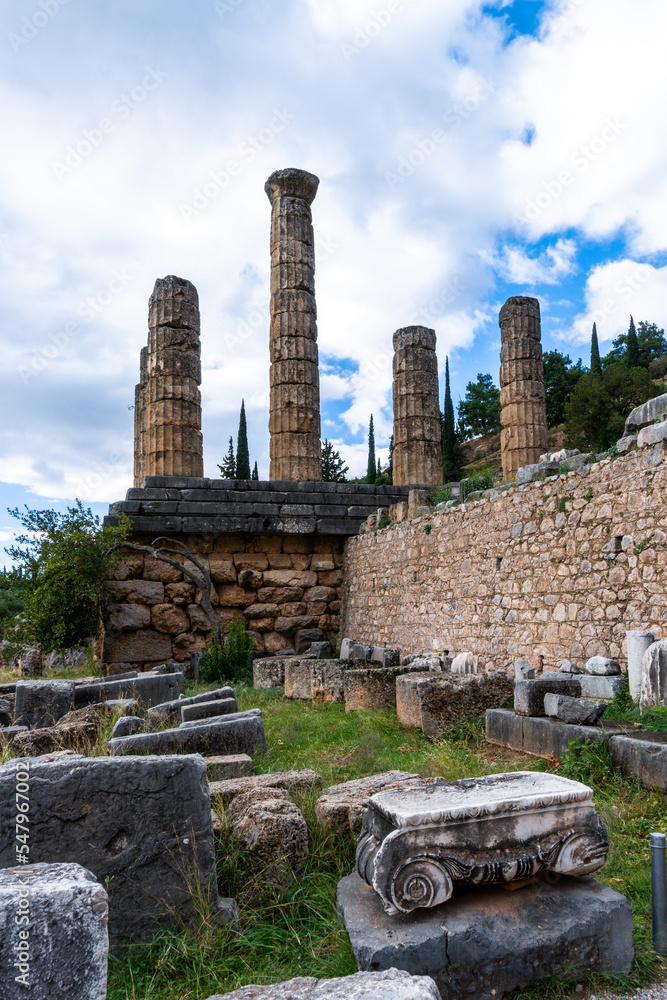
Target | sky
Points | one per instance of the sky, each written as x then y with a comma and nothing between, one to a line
466,151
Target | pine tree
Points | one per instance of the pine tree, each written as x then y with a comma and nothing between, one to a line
379,470
371,472
255,473
450,470
596,365
228,467
333,468
242,450
632,356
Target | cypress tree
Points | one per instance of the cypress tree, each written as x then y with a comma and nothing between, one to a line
449,467
255,473
228,467
371,471
632,355
242,450
596,365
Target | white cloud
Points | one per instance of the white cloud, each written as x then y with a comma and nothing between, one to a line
618,289
547,268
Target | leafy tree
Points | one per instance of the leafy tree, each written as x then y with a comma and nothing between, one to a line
595,414
371,471
596,364
64,561
242,450
560,378
255,473
651,342
450,468
230,660
479,410
632,357
334,469
11,599
228,467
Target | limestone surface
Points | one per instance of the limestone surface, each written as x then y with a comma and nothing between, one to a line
529,695
574,710
292,781
266,821
42,703
392,984
603,666
54,938
523,415
654,675
231,766
343,805
209,709
232,734
465,663
128,726
449,698
417,455
268,673
638,641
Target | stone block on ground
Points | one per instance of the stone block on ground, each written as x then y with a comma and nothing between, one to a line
367,689
654,675
306,636
172,709
293,781
646,414
523,671
529,695
128,726
149,689
225,735
488,942
465,663
265,820
575,710
638,641
642,755
209,709
40,704
605,688
75,731
268,673
232,766
449,698
409,698
322,650
544,737
568,667
141,825
6,712
7,733
346,648
394,984
343,805
386,657
54,938
603,666
299,678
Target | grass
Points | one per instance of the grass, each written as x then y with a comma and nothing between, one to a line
294,931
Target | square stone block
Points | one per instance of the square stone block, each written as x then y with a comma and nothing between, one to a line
54,937
237,765
487,942
42,703
642,755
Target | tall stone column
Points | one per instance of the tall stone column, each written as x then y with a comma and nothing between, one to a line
417,455
172,439
140,420
294,420
522,399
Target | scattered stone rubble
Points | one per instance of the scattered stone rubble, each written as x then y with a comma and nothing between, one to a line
390,985
343,805
434,703
237,733
645,425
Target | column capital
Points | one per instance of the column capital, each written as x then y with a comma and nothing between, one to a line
293,183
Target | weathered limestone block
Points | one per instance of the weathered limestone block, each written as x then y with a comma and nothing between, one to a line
42,703
643,756
603,666
573,710
145,645
638,641
242,732
488,943
416,844
6,712
31,662
369,689
449,698
603,688
292,781
343,805
268,673
294,421
409,698
465,663
523,671
523,416
72,732
654,675
141,825
529,695
391,984
417,453
128,726
543,737
148,689
209,709
172,709
232,766
266,821
54,937
314,680
646,414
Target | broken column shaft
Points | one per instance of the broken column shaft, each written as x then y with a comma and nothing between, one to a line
168,440
140,420
294,421
417,456
523,408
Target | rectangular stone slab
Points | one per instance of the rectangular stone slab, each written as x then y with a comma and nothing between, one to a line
60,914
529,695
209,709
172,709
643,755
42,703
225,735
138,822
390,985
486,942
237,765
543,737
149,689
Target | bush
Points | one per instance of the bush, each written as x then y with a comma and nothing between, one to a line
231,661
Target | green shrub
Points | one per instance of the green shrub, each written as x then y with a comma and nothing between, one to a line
475,483
231,661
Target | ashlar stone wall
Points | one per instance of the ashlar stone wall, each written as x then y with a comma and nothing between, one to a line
554,569
281,584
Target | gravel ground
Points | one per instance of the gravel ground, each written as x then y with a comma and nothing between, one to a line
656,992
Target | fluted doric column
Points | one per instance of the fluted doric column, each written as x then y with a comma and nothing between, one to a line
417,456
522,399
294,420
168,439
